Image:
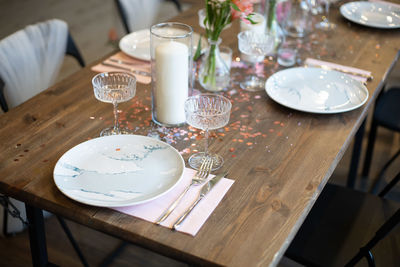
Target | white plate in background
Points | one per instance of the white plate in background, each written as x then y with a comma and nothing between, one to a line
137,44
316,90
372,14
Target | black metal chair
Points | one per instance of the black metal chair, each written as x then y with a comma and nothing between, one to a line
3,103
386,114
341,222
124,17
71,50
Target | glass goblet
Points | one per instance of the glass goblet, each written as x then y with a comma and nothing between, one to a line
255,45
207,112
325,24
115,88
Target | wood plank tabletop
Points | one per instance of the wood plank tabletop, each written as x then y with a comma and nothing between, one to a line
279,158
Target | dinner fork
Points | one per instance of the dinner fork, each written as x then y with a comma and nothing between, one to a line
119,61
199,178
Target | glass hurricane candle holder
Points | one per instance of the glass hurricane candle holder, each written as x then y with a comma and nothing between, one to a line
171,66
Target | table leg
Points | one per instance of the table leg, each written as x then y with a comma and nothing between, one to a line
37,237
355,157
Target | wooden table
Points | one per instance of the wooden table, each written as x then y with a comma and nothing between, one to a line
281,159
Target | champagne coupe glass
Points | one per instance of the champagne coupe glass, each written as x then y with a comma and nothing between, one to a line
207,112
256,45
115,88
325,24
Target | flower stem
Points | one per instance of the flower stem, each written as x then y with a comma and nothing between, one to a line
210,68
271,13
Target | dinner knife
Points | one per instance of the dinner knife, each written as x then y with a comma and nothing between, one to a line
203,192
139,72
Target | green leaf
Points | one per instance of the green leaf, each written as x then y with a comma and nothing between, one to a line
235,7
250,19
198,49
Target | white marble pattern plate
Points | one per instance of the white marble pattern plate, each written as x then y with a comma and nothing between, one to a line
316,90
372,14
118,170
137,44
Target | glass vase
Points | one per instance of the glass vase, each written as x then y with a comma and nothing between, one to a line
214,73
272,26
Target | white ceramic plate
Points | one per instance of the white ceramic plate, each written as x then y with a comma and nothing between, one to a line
316,90
373,14
137,44
119,170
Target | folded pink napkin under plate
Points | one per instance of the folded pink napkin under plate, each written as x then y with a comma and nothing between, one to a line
152,210
137,65
311,62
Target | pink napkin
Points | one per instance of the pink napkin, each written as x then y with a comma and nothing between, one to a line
386,2
319,63
152,210
138,65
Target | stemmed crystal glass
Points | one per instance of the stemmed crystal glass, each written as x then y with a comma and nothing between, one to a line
256,45
207,112
115,88
325,24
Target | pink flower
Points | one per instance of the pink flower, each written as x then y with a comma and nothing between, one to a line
245,6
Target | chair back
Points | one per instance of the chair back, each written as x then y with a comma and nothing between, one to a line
138,14
30,60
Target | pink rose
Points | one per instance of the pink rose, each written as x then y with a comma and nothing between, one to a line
245,6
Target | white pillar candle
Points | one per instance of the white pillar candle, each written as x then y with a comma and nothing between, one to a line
172,80
258,27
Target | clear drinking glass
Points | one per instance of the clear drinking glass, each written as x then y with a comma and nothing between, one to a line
256,45
295,18
325,24
207,112
287,53
115,88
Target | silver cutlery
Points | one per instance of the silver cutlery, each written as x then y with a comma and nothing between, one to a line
199,178
203,192
139,72
119,61
326,67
